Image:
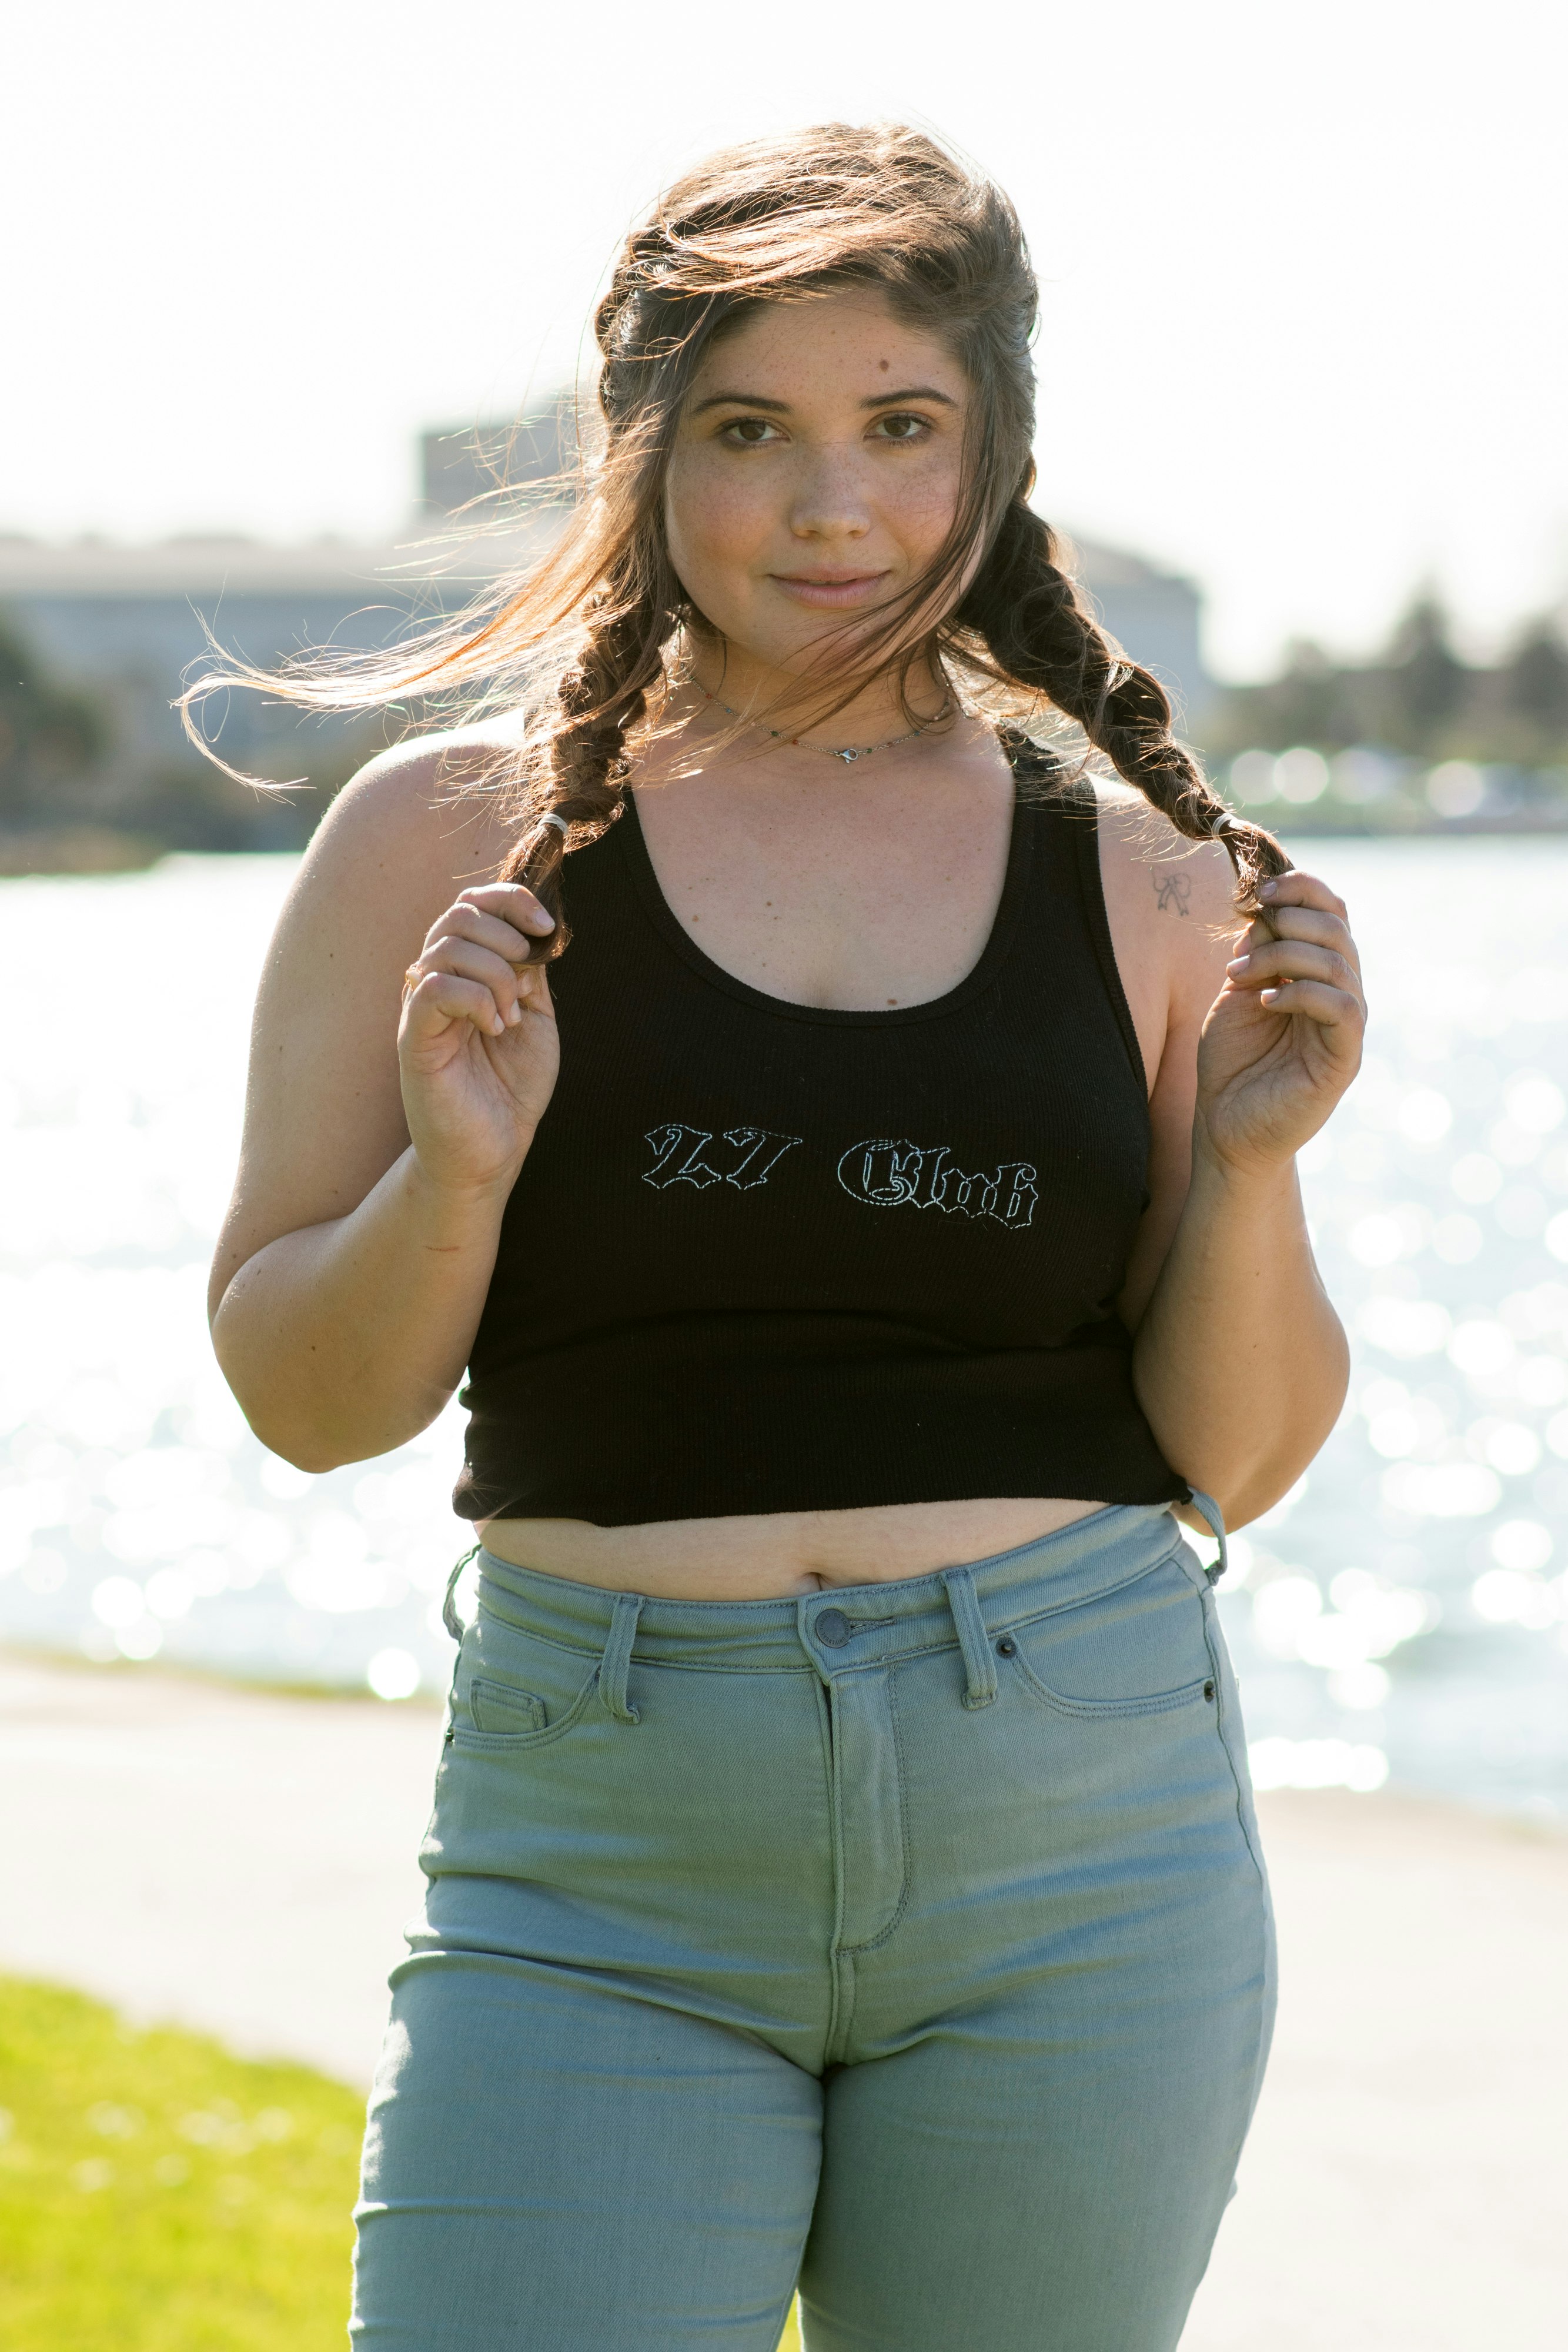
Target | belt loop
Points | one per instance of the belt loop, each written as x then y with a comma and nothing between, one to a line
973,1638
1209,1508
616,1658
449,1617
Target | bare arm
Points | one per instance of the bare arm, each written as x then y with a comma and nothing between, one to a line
1240,1360
380,1144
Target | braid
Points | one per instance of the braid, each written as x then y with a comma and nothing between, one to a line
1039,633
601,696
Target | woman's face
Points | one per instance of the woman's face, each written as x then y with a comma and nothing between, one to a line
815,473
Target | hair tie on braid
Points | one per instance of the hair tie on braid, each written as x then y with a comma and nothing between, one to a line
560,823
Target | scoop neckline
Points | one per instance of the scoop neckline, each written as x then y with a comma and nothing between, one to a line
979,976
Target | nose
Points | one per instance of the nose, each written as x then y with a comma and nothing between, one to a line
830,499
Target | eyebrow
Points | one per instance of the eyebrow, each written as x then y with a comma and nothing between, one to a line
781,408
741,400
914,392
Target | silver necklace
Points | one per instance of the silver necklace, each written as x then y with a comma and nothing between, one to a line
830,750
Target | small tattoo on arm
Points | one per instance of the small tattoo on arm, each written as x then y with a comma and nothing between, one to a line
1172,890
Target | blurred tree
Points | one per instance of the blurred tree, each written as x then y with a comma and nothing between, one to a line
49,735
72,797
1420,698
1535,678
1422,683
1311,702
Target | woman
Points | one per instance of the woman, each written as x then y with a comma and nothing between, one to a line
843,1870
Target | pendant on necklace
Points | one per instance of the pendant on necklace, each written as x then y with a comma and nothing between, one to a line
847,756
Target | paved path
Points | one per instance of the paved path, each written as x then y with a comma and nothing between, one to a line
244,1863
241,1862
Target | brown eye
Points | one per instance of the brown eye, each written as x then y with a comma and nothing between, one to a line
750,432
901,427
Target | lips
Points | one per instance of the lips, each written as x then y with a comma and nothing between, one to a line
829,588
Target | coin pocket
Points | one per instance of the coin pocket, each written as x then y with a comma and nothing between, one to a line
497,1706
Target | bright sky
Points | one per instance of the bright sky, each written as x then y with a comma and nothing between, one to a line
1306,307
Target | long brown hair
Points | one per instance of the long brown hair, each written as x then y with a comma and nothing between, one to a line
584,642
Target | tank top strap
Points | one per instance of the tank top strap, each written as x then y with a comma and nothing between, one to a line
1062,797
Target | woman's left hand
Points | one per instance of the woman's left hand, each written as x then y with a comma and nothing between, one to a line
1282,1039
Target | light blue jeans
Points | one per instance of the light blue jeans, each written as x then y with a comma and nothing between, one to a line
909,1944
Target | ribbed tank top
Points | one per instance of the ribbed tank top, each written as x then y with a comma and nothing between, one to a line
765,1256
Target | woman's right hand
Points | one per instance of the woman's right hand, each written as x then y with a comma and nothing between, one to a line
477,1049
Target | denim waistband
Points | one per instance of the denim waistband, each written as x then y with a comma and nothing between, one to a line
864,1623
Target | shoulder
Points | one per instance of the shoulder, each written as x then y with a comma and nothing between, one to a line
414,827
405,837
430,804
1171,907
1154,870
1170,902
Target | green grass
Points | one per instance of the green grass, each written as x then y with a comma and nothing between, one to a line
158,2195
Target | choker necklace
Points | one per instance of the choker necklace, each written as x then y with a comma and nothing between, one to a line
828,750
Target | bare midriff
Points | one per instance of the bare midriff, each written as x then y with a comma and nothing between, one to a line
778,1555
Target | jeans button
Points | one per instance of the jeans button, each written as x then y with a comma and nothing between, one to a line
833,1628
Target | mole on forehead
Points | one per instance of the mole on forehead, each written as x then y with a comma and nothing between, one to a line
883,365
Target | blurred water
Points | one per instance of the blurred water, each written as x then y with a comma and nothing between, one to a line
1408,1611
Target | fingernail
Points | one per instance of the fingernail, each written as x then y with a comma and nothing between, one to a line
1268,996
497,1027
514,1015
1268,889
546,918
1239,964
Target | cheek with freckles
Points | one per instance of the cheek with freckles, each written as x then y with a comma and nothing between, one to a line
719,531
922,514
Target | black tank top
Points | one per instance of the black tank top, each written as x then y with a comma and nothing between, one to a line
764,1256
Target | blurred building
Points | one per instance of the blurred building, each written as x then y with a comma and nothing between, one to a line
1157,617
128,623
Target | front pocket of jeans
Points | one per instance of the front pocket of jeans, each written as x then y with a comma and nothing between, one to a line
513,1688
1140,1648
1156,1703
